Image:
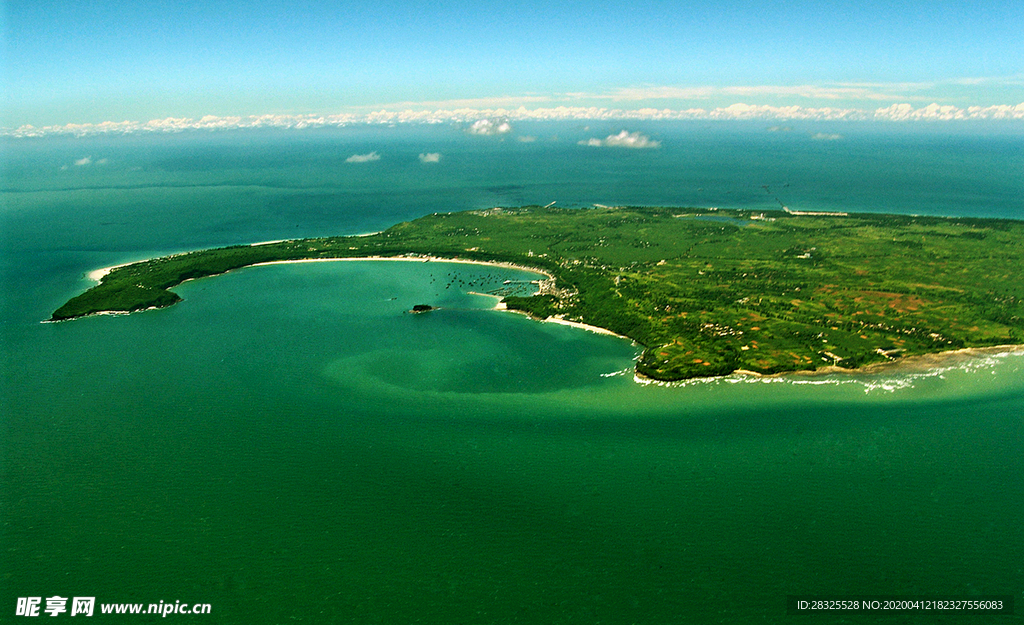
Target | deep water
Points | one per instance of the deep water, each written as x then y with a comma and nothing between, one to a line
289,444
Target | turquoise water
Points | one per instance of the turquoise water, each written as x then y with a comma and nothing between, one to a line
288,444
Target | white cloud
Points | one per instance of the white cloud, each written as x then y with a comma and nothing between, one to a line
836,91
363,158
430,157
937,112
469,103
83,161
1015,80
848,91
526,139
499,121
624,139
490,127
764,111
825,136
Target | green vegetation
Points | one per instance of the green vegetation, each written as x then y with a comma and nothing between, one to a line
705,291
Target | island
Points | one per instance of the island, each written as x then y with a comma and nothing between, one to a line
704,291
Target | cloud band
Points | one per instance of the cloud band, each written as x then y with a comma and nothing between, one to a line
497,121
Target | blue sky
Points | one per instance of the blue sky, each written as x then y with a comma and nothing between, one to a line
72,61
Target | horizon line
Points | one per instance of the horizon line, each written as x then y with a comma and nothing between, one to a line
902,112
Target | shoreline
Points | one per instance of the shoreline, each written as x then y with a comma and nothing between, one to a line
917,363
97,276
556,320
408,259
259,243
586,326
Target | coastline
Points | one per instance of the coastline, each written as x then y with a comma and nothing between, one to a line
587,327
408,259
917,363
259,243
500,305
97,276
558,320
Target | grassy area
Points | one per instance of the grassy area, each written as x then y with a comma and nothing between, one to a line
705,291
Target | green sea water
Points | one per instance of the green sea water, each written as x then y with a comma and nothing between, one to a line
289,444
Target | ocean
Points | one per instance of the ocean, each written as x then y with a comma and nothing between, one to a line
288,444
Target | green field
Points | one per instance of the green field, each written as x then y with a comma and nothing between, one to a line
704,291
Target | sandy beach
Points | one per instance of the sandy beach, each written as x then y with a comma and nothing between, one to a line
98,274
409,259
918,363
584,326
